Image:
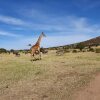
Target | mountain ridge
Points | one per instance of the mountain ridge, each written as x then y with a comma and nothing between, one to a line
91,42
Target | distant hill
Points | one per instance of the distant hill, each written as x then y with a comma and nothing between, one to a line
91,42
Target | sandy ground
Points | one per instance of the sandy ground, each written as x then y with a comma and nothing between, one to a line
91,92
52,78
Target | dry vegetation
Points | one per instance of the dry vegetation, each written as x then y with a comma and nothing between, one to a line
52,78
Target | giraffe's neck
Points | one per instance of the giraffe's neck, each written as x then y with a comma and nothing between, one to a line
39,40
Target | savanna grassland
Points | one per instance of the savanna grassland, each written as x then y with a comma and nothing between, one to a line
52,78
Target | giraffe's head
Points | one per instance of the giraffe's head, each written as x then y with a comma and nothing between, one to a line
43,34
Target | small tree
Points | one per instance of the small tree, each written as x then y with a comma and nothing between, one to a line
91,49
74,51
97,50
11,50
80,46
2,50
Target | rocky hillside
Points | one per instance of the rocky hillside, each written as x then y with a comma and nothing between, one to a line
94,41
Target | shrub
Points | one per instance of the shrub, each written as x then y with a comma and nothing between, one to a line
66,50
2,50
83,50
74,51
60,52
43,50
97,50
80,46
11,50
91,49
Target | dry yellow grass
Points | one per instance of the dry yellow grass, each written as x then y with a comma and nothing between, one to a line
52,78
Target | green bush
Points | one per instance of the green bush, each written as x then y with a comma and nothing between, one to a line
91,49
2,50
66,50
80,46
74,51
97,50
83,50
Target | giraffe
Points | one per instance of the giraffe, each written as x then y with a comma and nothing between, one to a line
35,49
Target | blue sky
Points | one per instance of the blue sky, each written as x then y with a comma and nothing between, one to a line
63,22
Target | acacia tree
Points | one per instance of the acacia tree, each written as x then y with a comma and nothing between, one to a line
2,50
80,46
11,50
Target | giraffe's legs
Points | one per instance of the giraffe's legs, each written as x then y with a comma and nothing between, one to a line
40,55
32,57
36,53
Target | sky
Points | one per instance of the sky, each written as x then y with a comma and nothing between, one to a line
63,22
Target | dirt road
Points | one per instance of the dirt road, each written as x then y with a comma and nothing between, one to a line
91,92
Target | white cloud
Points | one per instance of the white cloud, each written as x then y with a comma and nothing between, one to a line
66,24
61,24
74,29
64,30
3,33
11,20
75,25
